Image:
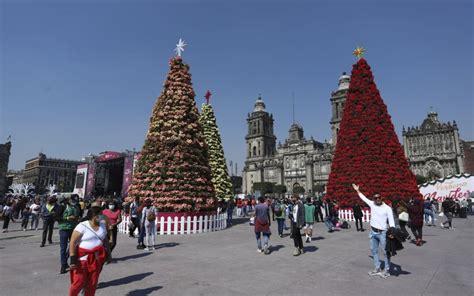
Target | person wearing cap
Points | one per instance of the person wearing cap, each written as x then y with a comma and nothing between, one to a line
48,213
380,214
66,224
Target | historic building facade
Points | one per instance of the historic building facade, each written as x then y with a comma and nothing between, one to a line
4,159
468,149
434,149
42,171
298,161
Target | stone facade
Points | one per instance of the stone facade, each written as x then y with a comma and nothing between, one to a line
434,149
468,149
4,159
298,161
42,171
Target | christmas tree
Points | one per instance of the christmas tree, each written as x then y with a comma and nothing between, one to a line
217,162
173,168
368,152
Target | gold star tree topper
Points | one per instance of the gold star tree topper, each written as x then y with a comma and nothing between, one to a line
359,52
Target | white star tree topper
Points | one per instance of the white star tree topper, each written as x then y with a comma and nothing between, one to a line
180,47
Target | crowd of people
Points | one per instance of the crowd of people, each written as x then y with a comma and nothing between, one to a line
388,220
88,231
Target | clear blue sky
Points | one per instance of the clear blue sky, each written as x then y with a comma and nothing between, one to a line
81,77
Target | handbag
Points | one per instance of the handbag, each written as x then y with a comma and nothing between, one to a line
403,216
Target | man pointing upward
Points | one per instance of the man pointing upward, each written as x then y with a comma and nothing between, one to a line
380,213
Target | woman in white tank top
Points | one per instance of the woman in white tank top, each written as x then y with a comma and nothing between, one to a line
87,253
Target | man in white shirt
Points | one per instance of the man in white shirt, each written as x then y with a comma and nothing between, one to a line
379,214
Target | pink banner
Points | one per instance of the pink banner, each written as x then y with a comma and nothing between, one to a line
127,174
90,180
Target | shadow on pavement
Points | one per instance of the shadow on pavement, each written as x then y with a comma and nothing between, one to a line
134,256
239,220
395,269
124,280
18,236
144,292
275,248
310,249
317,238
166,245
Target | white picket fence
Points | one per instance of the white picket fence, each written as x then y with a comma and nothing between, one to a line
183,225
209,223
349,215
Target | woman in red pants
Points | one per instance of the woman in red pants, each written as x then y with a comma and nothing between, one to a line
88,253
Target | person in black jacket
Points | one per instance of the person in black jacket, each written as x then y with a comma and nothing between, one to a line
357,210
49,213
318,213
298,222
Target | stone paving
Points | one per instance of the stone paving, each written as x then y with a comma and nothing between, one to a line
227,263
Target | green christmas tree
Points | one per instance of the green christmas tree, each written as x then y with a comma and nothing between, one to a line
217,162
173,168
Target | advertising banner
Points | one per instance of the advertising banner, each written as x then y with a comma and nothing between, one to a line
127,174
457,187
90,180
81,179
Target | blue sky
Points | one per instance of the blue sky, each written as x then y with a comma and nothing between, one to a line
81,77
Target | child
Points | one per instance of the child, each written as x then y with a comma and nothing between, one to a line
26,218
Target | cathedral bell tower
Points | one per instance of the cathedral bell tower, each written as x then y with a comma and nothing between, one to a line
261,146
260,138
338,100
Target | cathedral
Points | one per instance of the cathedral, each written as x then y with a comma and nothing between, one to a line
434,150
298,161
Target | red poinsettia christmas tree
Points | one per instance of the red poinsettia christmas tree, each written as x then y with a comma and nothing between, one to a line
173,168
368,152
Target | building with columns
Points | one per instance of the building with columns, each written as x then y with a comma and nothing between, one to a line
434,149
298,161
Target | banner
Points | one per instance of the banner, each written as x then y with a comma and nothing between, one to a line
456,186
90,180
127,174
81,178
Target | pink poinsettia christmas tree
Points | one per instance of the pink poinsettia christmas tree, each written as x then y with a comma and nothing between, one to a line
173,168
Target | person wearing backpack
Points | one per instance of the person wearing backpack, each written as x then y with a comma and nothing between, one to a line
279,210
149,215
309,210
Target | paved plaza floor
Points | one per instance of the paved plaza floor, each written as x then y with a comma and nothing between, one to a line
227,263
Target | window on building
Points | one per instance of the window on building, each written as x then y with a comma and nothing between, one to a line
254,151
